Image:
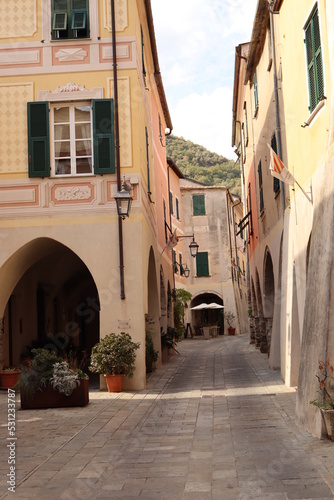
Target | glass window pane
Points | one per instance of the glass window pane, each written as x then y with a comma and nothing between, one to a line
63,167
82,114
83,131
83,148
62,132
62,115
62,148
84,166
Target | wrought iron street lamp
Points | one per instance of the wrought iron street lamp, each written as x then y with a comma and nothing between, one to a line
124,200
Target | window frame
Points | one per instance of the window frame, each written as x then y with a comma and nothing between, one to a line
200,265
256,93
314,60
261,200
72,33
40,140
198,208
72,139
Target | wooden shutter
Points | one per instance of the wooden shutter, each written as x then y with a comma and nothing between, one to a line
202,264
148,163
198,204
103,136
38,139
314,61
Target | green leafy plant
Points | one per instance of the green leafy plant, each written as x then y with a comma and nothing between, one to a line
181,297
326,387
46,368
171,338
64,379
114,354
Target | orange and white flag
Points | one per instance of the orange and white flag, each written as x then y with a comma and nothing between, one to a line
173,240
278,169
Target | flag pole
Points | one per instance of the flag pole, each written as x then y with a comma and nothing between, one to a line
310,199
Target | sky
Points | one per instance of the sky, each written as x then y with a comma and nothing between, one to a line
196,42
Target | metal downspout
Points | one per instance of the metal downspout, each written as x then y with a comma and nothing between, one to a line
278,126
117,154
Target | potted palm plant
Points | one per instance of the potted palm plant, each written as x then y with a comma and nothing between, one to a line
230,317
114,357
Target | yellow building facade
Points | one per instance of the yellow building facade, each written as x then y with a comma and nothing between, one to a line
81,114
291,55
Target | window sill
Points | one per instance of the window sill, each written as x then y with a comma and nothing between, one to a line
314,113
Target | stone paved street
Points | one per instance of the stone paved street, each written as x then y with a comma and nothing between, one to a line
213,423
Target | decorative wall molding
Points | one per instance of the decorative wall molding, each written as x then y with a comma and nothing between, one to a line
18,57
69,92
121,14
19,196
71,54
18,18
72,193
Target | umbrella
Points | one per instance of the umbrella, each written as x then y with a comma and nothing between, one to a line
204,305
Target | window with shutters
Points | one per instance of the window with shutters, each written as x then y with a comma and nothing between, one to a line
71,138
149,192
246,124
69,19
202,264
276,183
256,94
198,204
314,60
177,208
259,171
181,264
171,207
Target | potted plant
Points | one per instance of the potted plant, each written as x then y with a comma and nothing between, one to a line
230,317
151,355
326,399
9,377
114,356
49,382
169,341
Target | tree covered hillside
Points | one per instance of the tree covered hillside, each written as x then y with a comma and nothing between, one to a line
199,164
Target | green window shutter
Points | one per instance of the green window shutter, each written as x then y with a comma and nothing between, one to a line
314,61
38,139
103,136
202,264
256,95
171,206
142,51
198,204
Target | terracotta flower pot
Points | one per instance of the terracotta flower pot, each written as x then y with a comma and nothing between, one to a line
51,398
114,382
231,330
9,379
328,416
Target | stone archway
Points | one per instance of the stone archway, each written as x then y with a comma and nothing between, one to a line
152,322
255,315
262,325
268,295
50,299
206,316
163,302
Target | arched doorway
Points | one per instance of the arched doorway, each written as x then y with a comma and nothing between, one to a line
50,301
262,327
152,323
268,296
203,317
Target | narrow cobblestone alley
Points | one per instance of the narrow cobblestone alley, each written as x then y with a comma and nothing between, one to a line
213,423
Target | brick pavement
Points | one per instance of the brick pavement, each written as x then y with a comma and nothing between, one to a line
213,423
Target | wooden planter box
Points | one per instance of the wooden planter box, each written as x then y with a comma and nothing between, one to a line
50,398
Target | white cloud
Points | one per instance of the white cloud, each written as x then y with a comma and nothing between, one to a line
203,119
196,48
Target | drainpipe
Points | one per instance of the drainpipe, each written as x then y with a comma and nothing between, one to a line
278,126
117,153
